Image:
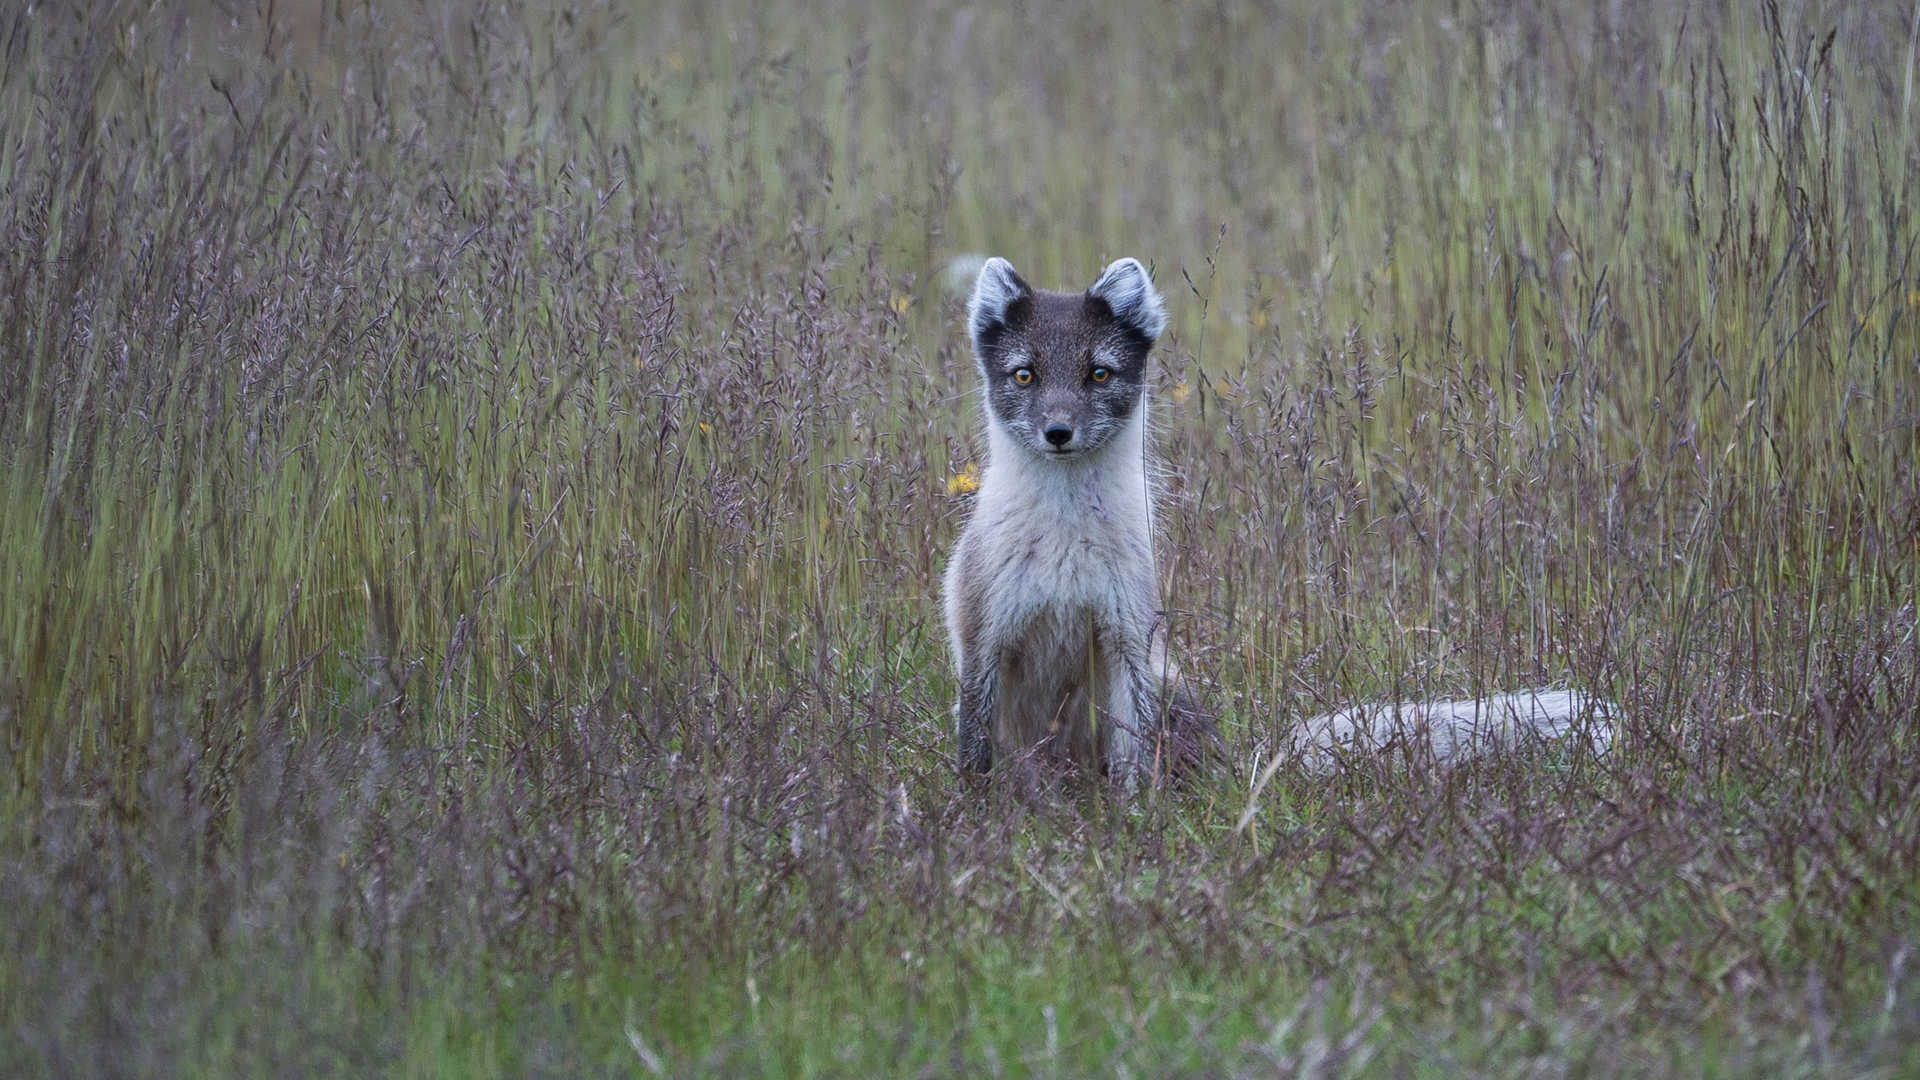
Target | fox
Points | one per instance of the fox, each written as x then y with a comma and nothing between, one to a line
1051,599
1051,595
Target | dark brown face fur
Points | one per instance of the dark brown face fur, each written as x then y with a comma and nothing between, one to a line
1062,373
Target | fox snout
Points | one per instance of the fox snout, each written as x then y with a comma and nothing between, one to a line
1057,426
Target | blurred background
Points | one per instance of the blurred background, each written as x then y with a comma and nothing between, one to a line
476,480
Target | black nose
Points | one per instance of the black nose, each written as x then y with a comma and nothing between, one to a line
1059,434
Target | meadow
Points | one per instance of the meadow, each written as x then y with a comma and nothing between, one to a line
474,482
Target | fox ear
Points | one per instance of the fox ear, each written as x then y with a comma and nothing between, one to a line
998,294
1123,285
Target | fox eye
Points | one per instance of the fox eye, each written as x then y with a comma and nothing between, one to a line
1100,373
1023,376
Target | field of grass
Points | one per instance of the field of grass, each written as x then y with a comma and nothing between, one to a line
474,483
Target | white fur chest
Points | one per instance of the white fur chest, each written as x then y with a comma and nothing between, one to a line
1064,538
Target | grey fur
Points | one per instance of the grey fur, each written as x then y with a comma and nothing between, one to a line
995,290
1051,593
1439,732
1126,289
1454,731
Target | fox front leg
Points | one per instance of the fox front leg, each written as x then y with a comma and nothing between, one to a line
979,688
1133,712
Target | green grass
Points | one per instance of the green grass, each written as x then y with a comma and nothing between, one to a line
473,489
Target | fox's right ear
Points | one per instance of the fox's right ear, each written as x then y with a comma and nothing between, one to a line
999,300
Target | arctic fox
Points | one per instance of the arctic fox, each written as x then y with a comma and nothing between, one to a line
1051,591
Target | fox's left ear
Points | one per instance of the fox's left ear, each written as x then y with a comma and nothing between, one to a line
1124,287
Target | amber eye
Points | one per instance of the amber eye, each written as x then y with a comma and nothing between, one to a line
1023,376
1100,374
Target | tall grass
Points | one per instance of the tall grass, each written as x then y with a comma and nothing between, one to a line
475,484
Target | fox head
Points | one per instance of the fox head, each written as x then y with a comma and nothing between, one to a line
1063,372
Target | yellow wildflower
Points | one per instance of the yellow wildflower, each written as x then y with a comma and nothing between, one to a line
900,303
966,481
1180,392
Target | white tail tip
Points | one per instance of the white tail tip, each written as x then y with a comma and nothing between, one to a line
1456,730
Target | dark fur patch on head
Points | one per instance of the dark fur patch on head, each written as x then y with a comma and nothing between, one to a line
1072,363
